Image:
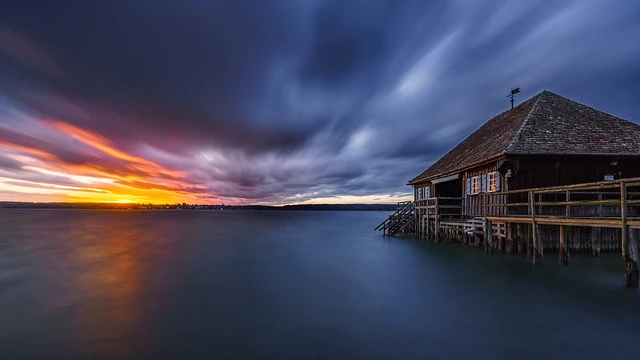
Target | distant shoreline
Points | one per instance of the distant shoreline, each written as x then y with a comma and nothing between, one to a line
117,206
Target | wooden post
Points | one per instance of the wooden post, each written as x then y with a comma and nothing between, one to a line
488,236
527,244
540,206
596,236
623,219
563,258
509,232
428,226
421,228
629,243
426,220
437,223
537,244
484,205
567,211
519,239
631,273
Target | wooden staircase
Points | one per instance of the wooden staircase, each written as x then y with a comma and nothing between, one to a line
400,220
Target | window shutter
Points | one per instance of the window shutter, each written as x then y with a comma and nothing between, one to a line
427,193
484,184
498,181
468,186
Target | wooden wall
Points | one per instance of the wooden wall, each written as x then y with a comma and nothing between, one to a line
473,203
417,187
532,171
550,170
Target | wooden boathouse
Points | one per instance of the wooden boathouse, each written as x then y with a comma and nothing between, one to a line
550,174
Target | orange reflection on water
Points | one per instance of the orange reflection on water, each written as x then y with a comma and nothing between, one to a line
111,266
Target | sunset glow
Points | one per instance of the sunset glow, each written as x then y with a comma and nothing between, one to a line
108,174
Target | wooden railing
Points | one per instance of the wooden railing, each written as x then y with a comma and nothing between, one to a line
402,204
441,206
608,200
398,221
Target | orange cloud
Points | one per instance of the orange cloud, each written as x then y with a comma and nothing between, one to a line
115,175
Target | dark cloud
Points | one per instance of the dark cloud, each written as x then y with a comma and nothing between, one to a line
281,101
9,164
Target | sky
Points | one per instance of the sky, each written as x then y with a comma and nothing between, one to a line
282,101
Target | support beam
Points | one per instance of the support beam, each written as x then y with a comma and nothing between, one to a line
631,273
488,236
629,243
509,238
519,238
427,227
623,218
563,258
538,250
596,238
437,223
488,231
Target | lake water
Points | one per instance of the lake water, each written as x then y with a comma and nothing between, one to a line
291,285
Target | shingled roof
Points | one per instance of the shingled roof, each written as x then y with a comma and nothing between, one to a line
544,124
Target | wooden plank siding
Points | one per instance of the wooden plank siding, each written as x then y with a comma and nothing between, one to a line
530,171
473,204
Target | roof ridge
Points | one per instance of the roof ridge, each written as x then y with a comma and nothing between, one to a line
611,116
526,120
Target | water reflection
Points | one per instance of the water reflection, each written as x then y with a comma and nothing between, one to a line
114,285
108,285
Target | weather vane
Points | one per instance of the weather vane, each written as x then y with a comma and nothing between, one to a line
513,93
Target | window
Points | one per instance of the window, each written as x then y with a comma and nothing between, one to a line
423,193
475,185
493,183
489,182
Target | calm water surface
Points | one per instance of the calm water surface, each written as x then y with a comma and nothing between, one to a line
291,285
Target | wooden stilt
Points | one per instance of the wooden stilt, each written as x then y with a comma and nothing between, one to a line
538,250
629,243
488,236
631,273
519,239
623,218
509,239
428,226
436,223
488,231
563,258
596,235
527,243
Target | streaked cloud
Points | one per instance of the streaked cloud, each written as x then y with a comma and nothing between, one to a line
277,102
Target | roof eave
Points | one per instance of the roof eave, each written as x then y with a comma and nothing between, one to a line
458,170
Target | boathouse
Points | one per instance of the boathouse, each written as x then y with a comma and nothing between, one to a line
547,140
550,173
